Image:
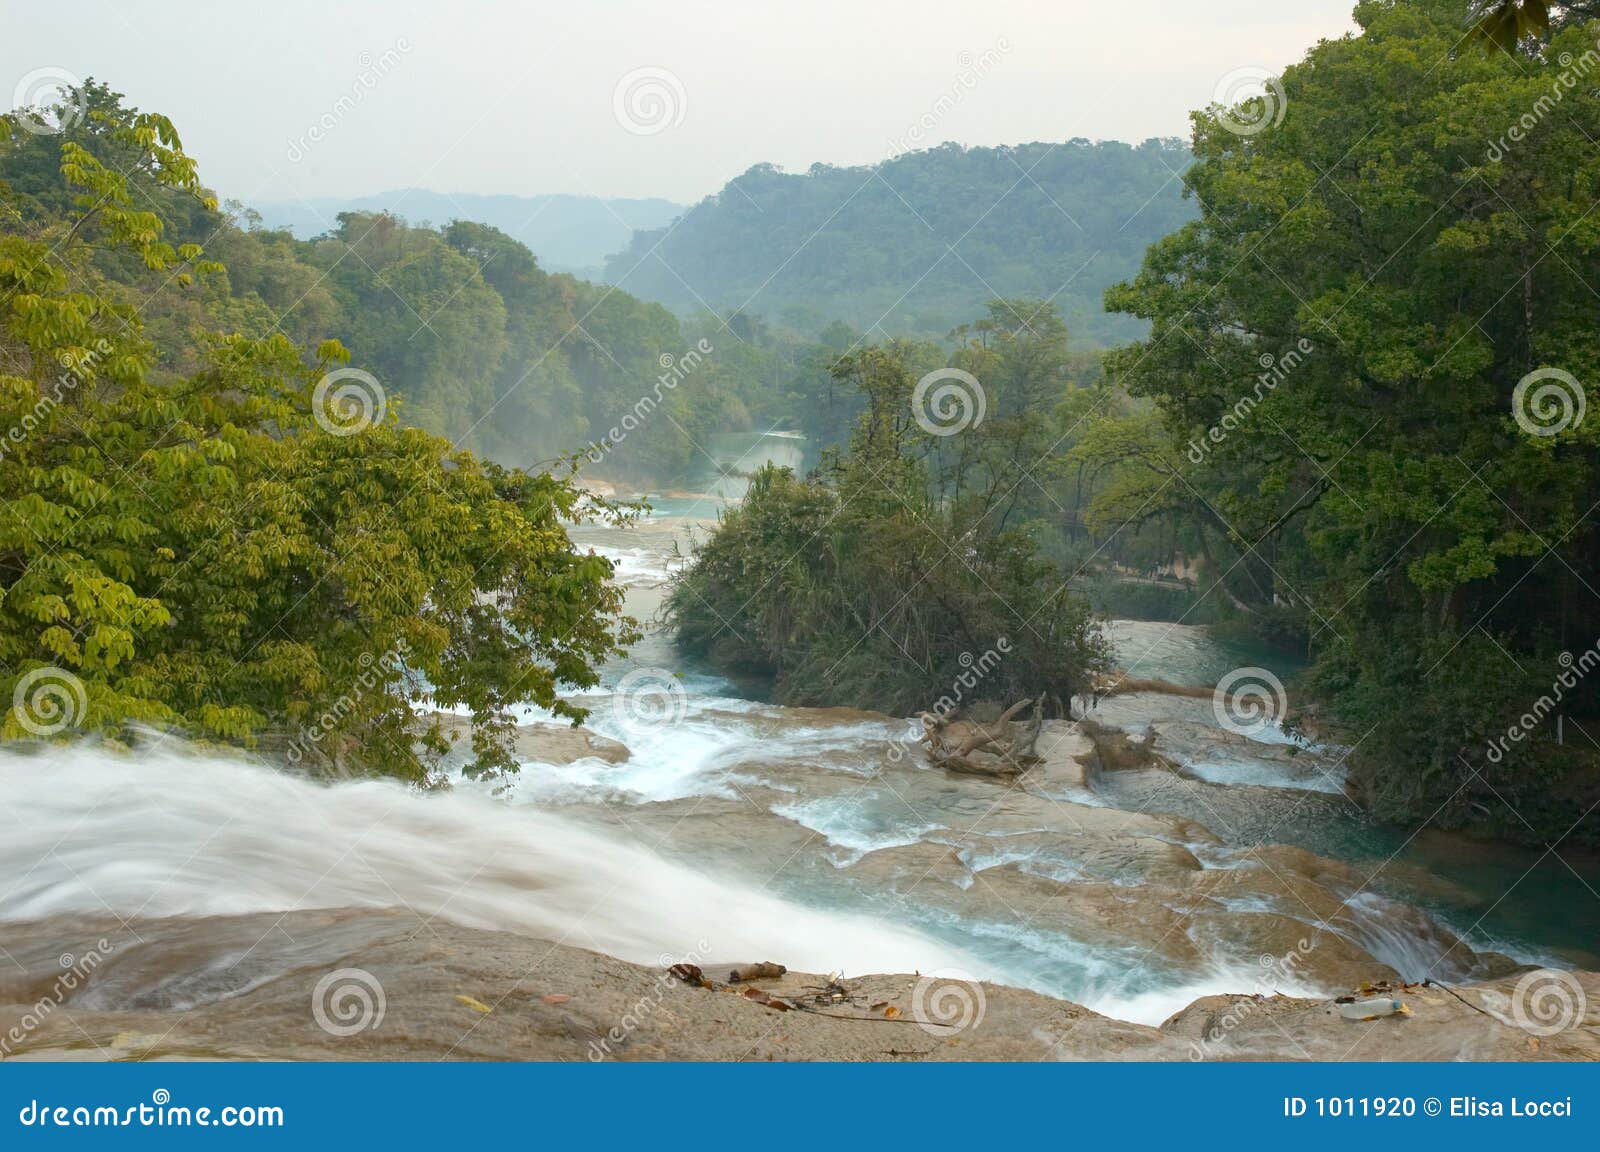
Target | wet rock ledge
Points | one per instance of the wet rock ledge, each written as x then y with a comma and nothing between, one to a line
262,987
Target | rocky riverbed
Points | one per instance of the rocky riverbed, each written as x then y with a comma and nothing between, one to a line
1155,882
257,987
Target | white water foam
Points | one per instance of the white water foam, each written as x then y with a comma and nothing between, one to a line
858,822
169,834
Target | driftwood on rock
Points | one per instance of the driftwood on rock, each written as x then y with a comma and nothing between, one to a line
1004,747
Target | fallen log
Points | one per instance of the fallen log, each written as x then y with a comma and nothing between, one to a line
766,970
1004,747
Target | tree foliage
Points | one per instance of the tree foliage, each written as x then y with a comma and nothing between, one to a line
886,578
1368,287
458,323
192,550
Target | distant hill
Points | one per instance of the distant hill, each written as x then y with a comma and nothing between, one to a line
920,243
566,233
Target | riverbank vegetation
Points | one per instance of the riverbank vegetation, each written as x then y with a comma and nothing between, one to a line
1357,422
199,539
892,578
1413,493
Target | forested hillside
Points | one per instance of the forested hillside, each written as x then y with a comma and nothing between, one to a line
465,334
460,325
470,337
569,233
922,242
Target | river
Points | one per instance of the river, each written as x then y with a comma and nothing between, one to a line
819,838
725,775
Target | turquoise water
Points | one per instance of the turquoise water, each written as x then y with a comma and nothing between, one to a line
1527,902
1502,899
1189,654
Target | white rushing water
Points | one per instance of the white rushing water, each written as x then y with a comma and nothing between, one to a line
179,834
170,834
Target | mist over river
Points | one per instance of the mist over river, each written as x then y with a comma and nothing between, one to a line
821,839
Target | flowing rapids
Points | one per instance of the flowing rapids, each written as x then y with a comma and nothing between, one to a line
182,835
818,838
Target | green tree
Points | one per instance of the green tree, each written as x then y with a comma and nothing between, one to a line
1506,24
203,553
1342,340
862,586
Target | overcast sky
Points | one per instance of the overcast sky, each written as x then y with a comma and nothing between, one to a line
639,97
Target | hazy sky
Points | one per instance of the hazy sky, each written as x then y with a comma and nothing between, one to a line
294,98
